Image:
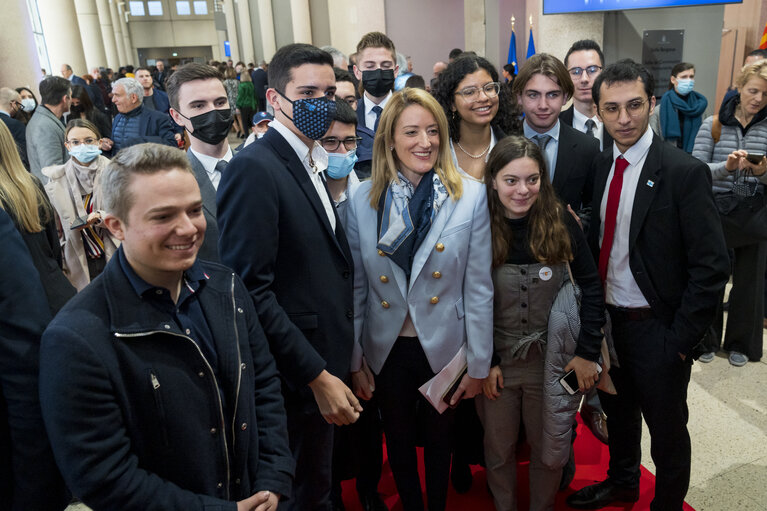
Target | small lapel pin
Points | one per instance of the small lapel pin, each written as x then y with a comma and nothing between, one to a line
650,183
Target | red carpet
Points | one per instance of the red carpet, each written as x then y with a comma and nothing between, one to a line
591,458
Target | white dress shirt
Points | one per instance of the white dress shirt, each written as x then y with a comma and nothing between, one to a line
552,148
370,115
579,123
314,163
209,164
621,288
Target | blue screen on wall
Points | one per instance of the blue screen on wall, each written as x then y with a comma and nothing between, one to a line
570,6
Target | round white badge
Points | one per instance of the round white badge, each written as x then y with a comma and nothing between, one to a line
545,273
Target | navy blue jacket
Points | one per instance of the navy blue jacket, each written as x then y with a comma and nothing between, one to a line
134,410
275,233
29,478
153,127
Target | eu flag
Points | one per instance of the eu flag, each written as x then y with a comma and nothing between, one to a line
530,45
513,51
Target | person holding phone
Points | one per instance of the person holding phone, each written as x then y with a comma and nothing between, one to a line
731,143
534,239
74,192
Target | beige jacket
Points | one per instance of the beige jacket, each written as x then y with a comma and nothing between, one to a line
69,206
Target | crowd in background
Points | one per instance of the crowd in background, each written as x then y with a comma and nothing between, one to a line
382,227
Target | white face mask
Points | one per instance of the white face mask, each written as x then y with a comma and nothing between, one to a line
28,104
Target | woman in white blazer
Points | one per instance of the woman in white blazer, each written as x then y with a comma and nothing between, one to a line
419,233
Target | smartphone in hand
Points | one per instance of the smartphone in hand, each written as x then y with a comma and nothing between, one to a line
78,223
570,381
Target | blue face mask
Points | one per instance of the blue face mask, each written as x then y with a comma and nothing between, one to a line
340,165
312,116
85,153
684,86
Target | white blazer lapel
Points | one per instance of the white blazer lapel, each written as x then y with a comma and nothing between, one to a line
422,254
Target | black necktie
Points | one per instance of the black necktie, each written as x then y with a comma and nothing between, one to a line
591,127
221,165
377,110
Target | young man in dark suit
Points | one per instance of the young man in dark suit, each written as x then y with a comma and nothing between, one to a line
543,86
199,104
376,68
281,233
584,61
656,234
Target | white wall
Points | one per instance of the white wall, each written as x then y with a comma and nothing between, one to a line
426,30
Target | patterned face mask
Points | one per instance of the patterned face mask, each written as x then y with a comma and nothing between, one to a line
312,116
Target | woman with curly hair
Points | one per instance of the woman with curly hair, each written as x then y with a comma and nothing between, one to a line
479,111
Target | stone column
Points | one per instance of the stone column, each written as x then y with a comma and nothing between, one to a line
247,52
130,52
62,35
302,25
474,26
118,34
350,20
266,18
90,33
18,52
231,29
107,34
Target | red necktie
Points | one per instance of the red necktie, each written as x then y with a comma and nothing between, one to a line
611,214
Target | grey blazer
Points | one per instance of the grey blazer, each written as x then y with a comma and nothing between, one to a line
209,248
450,293
45,142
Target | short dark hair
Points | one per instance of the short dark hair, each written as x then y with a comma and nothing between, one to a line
679,68
342,75
623,71
511,69
53,88
758,53
142,68
416,81
455,52
345,113
585,45
291,56
188,73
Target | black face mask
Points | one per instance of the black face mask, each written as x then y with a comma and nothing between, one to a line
378,82
75,111
211,127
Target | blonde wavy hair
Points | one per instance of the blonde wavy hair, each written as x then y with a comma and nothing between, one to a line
758,68
20,193
385,162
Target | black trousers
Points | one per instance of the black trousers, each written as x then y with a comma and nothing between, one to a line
746,313
311,443
358,451
407,418
652,383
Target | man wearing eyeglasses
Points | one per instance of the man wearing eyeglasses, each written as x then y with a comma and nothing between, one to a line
543,86
656,235
584,62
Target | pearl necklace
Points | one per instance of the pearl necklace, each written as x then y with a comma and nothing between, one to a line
475,156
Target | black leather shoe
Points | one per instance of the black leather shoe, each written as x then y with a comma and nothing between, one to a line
601,494
595,419
373,502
